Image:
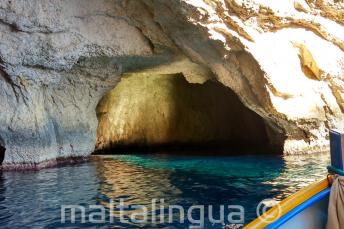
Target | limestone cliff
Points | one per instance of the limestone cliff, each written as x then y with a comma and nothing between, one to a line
58,58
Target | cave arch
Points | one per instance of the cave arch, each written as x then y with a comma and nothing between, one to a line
165,111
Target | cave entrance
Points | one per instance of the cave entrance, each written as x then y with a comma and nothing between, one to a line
2,154
161,112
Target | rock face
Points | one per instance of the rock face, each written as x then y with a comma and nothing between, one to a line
284,63
58,58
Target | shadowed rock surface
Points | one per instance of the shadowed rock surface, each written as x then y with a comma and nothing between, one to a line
284,61
2,154
165,111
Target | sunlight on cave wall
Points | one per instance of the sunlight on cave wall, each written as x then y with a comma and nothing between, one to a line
165,110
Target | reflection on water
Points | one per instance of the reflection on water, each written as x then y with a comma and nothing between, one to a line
33,199
298,171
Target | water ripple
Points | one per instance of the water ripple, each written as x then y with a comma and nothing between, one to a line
34,199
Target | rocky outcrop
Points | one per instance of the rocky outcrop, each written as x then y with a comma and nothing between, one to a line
266,52
57,61
58,58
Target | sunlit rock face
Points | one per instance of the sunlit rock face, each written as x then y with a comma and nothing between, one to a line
147,111
284,61
57,59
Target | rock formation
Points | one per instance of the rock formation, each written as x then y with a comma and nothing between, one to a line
166,112
58,58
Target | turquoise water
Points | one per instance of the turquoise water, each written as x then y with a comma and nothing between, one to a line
34,199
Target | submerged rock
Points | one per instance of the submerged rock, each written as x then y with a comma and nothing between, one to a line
284,61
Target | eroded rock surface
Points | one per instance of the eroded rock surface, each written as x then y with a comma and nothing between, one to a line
58,58
284,63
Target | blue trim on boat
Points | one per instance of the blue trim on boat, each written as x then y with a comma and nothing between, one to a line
283,219
333,170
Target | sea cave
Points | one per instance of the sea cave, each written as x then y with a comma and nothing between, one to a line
165,112
112,112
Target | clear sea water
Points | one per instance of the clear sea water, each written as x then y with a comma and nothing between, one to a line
33,199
